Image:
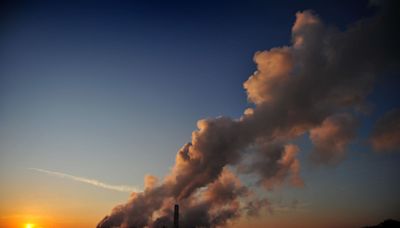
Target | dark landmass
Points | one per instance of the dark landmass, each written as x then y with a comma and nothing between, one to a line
389,223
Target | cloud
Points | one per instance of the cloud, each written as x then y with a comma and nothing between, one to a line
275,163
331,138
120,188
386,133
218,203
301,88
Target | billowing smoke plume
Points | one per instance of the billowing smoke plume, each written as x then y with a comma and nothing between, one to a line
386,133
314,86
332,137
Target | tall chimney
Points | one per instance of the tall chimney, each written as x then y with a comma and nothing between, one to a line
176,216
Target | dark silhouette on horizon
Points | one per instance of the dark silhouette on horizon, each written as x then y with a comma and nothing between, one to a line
388,223
176,216
105,223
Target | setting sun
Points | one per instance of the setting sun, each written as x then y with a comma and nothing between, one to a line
29,225
211,113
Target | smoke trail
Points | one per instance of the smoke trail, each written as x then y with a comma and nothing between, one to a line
120,188
386,133
312,87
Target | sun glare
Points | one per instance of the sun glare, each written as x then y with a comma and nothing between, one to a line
29,225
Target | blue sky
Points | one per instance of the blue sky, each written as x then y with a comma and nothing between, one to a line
111,91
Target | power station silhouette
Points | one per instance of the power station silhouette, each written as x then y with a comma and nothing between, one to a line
176,216
106,223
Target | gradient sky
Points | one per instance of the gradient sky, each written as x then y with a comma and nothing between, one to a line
110,90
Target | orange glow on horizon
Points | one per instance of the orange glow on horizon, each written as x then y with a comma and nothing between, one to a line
29,225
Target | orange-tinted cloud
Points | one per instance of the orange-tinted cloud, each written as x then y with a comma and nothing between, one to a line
386,133
331,138
296,89
273,68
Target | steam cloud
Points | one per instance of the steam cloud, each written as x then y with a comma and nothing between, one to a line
332,137
314,86
386,134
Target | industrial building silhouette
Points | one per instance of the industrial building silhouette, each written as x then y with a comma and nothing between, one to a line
176,218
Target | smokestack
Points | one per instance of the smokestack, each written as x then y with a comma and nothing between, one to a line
176,216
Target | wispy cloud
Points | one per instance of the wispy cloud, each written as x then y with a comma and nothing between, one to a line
120,188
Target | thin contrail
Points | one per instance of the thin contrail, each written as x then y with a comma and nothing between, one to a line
120,188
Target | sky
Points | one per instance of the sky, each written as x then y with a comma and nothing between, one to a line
95,95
